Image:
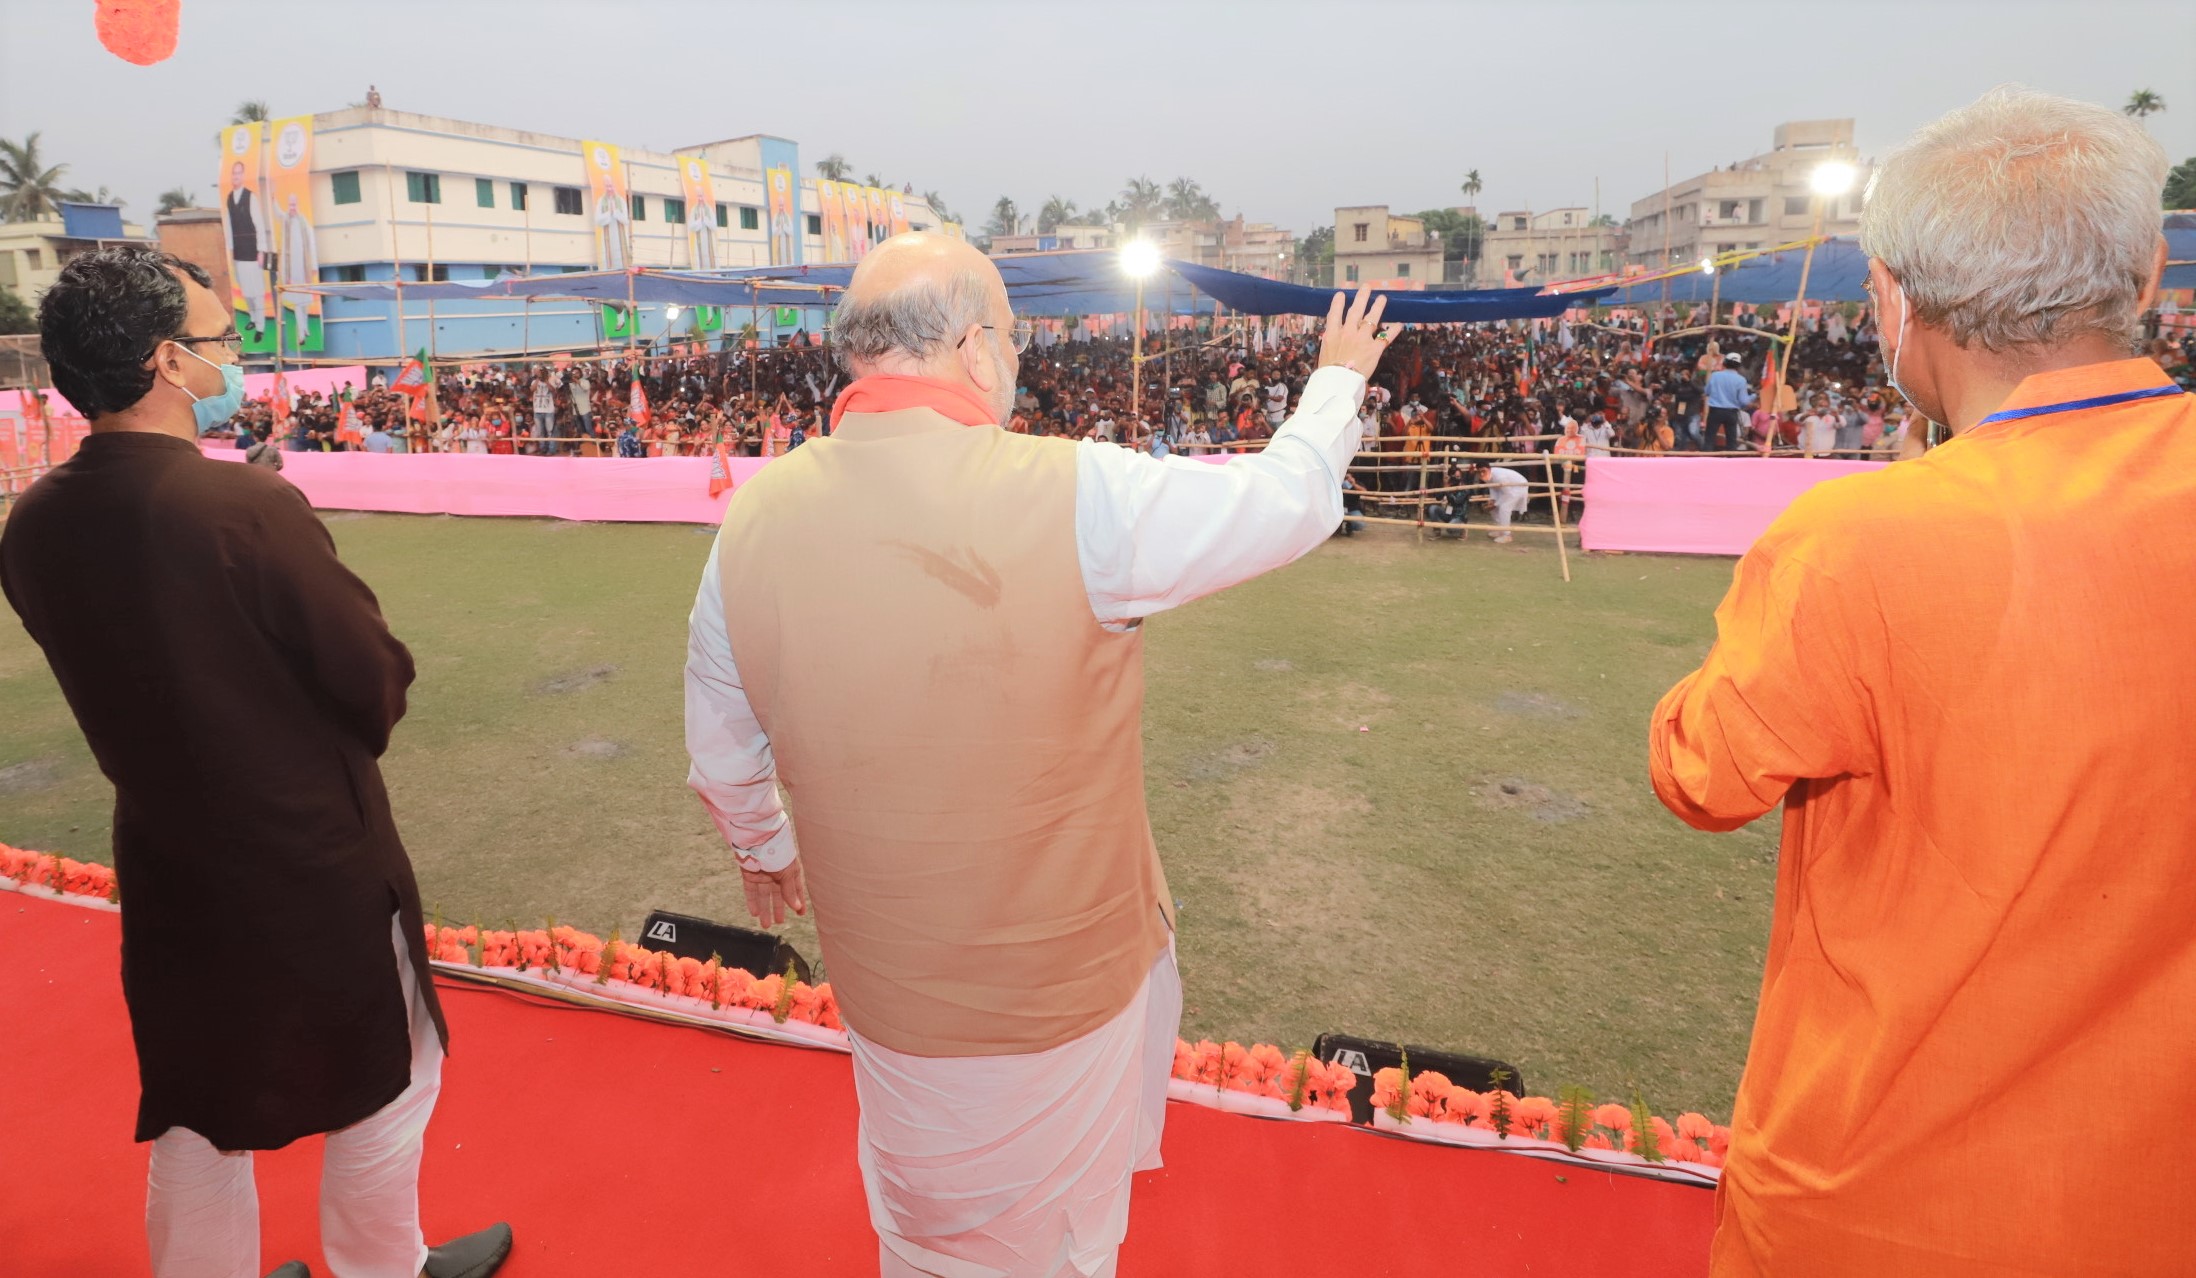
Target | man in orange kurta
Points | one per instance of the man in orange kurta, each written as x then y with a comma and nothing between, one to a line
1967,677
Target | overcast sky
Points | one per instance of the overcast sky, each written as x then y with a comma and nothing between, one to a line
1281,110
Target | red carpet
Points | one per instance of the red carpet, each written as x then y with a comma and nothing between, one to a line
618,1147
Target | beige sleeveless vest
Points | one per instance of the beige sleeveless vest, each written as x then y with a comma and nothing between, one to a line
959,739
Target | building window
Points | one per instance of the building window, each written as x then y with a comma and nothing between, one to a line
347,274
1361,229
568,200
639,208
35,259
518,197
1796,206
721,222
345,186
750,218
1566,219
1402,270
674,211
815,224
1517,224
1517,261
1349,272
421,273
484,193
423,188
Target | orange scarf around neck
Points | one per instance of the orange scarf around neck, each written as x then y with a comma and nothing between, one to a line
891,392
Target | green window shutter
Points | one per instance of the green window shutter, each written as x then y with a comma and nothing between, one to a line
346,186
484,193
750,218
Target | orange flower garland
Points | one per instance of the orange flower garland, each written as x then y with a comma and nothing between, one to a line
58,874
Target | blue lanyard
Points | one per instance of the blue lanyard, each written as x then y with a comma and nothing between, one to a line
2076,405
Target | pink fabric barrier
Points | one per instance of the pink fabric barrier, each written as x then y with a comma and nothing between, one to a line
320,381
1695,505
672,490
641,490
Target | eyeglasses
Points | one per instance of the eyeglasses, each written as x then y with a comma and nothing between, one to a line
234,341
1020,337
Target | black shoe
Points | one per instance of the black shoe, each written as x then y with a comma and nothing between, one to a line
473,1256
295,1269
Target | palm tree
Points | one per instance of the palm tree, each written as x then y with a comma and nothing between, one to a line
1187,201
250,111
2143,102
1005,218
2180,188
1057,209
1140,200
1472,185
872,180
28,189
833,168
177,198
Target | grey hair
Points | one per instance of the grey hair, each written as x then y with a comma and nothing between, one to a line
915,320
2020,220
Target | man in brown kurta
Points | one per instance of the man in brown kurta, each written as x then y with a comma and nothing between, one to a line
236,683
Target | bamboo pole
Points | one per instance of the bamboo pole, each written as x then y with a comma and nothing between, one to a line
1563,553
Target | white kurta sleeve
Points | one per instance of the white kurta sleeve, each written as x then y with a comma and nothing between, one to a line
1155,533
733,769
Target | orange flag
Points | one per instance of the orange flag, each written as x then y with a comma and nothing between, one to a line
720,471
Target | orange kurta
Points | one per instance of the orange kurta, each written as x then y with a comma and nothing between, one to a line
1969,678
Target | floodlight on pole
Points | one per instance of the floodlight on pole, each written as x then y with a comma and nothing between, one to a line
1707,266
1139,259
1833,177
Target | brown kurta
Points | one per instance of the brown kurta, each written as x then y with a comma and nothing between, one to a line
236,683
959,737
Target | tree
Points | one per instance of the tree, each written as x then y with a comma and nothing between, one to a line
1603,219
1315,257
1005,218
1057,209
2180,192
29,190
2143,102
833,168
873,180
1141,201
251,111
1187,202
1472,185
1461,233
16,315
177,198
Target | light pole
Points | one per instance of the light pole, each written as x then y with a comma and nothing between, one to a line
1830,179
1139,258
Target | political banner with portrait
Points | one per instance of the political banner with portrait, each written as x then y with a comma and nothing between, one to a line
781,161
297,255
880,216
700,191
609,205
247,229
834,220
854,215
897,202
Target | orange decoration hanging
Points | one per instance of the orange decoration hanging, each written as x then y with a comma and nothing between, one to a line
139,31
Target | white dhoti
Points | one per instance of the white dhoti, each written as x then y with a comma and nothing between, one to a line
998,1166
251,281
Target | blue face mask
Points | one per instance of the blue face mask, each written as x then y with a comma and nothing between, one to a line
212,410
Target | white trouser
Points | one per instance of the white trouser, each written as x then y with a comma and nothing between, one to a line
202,1206
1016,1166
1508,502
251,280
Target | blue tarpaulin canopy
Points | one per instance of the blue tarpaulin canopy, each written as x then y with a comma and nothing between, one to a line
1044,284
1840,269
1256,296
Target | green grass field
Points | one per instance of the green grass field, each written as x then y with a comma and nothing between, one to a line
1483,868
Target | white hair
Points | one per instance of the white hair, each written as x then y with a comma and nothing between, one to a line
914,320
2020,220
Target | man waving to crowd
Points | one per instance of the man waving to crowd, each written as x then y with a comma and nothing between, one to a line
926,627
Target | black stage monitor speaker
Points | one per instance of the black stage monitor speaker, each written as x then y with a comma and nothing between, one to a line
1364,1056
744,947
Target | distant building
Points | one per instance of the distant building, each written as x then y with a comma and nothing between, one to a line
1066,236
1755,203
417,198
1548,247
1374,246
195,236
33,253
